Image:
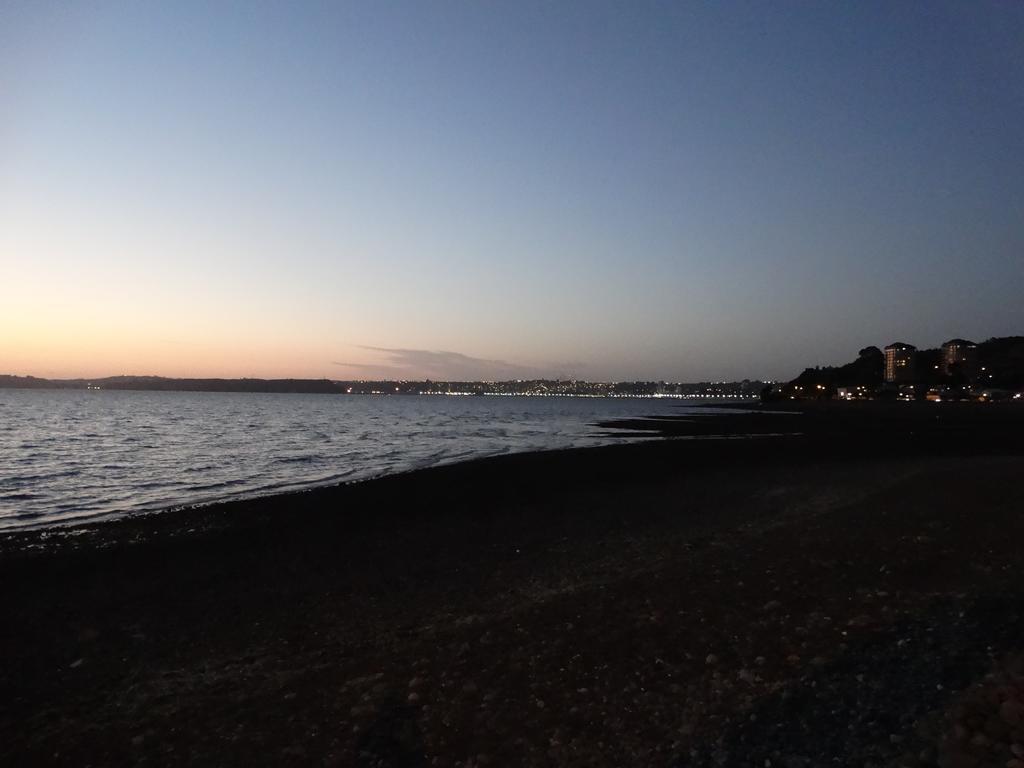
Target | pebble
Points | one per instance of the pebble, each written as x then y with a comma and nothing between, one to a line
1012,712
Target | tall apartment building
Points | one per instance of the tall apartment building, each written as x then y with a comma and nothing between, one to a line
899,362
962,355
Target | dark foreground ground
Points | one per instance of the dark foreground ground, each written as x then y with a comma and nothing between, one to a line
852,595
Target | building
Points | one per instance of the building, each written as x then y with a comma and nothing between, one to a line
899,363
960,355
858,392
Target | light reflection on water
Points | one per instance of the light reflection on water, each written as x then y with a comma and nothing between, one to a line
69,455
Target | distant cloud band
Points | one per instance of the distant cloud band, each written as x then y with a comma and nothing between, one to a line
439,365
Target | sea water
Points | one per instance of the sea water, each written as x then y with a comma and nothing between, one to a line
73,455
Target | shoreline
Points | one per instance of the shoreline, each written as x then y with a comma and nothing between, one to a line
653,603
908,428
338,454
315,496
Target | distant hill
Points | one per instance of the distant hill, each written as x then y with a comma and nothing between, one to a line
1003,360
164,384
24,382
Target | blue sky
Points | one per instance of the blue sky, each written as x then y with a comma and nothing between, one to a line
630,190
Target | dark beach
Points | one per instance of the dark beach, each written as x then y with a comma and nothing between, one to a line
843,589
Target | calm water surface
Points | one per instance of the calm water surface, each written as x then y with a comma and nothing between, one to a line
71,455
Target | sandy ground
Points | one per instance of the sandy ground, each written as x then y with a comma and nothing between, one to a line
799,601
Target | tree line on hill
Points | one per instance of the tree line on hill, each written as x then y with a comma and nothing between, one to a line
164,384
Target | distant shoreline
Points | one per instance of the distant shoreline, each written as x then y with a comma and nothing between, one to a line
746,389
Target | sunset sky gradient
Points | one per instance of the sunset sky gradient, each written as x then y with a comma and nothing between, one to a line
479,190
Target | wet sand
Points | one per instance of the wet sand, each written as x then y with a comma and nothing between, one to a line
837,596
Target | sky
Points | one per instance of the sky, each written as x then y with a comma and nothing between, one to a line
680,191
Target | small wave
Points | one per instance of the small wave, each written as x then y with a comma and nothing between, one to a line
203,468
17,479
20,496
306,459
27,515
149,484
219,485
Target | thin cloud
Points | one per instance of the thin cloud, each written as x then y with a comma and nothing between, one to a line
440,365
362,366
